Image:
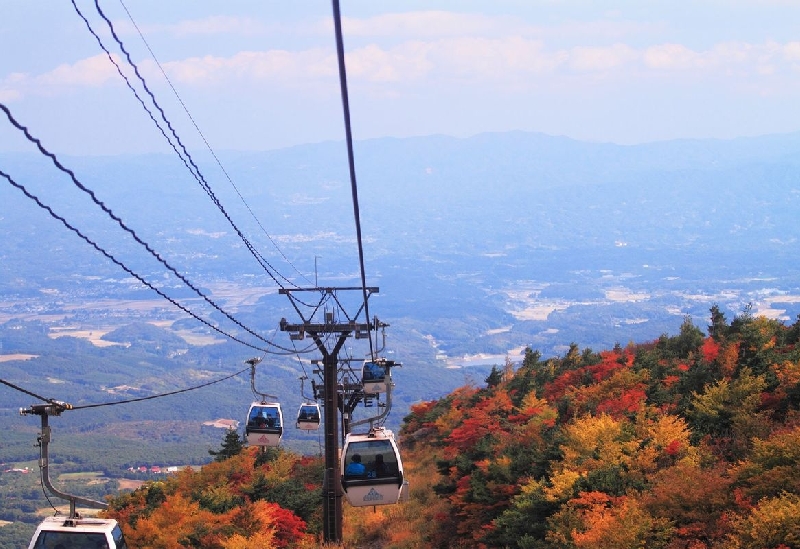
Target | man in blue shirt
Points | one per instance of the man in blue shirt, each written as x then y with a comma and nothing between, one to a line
355,467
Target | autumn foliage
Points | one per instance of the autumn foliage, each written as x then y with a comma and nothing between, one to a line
686,442
235,503
690,441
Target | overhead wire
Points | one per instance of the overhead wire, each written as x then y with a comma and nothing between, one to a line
143,281
44,151
161,395
30,393
128,269
337,18
127,401
183,154
203,137
198,175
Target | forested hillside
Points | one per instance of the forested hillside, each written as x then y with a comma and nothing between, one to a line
689,441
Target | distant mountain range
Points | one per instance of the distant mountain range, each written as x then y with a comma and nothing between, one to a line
480,246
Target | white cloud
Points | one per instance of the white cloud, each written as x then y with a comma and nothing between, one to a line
279,66
506,62
378,65
791,51
92,72
208,26
9,95
482,58
447,24
432,24
217,25
602,31
10,87
673,57
601,59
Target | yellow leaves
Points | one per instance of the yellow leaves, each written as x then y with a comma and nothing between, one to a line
561,485
447,421
787,372
281,468
620,394
670,434
772,523
364,527
623,525
772,466
633,450
728,359
541,410
175,519
207,508
261,540
767,328
591,441
740,396
503,462
531,487
780,449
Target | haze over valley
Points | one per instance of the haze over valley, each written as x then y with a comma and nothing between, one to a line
481,247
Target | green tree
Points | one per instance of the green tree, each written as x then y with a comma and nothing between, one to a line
719,326
728,411
495,377
232,445
689,340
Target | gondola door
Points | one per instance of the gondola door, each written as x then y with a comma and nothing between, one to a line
264,425
374,376
308,417
371,469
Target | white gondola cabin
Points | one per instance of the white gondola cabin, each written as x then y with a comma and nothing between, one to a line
308,417
374,376
264,425
77,533
371,469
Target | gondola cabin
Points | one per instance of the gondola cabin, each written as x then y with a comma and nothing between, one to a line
371,469
78,533
308,417
264,425
374,376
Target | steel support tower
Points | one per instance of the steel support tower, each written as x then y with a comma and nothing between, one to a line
319,332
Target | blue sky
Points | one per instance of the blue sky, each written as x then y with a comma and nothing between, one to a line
261,75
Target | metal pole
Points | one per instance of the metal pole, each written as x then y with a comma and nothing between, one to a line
332,488
44,411
332,513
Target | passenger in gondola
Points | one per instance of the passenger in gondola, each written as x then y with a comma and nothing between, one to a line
378,468
355,468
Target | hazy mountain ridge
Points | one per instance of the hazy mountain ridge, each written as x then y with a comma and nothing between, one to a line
441,217
480,247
